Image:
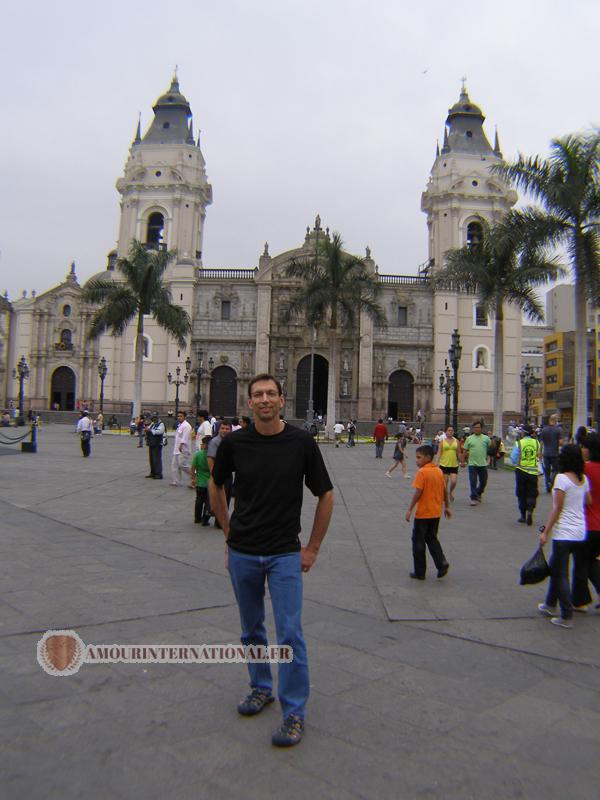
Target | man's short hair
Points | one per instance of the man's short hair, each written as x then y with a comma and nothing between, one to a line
184,413
477,422
264,376
203,413
425,450
226,422
206,439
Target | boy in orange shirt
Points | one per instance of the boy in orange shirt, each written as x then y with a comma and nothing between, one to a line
430,494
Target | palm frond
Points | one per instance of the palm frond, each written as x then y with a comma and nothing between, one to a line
115,314
174,319
98,290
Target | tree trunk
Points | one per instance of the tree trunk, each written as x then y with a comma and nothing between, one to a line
580,405
332,383
498,370
139,366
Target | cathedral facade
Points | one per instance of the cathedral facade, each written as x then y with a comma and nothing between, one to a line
238,322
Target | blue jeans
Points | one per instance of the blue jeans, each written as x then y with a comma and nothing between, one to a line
478,477
379,448
550,470
559,588
284,577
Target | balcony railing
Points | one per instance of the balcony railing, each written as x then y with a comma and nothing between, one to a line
404,280
63,345
227,274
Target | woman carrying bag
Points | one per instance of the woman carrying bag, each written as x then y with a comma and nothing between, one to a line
566,523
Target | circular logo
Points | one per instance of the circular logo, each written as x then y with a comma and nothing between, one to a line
60,652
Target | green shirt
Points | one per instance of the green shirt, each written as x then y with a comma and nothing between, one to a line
200,464
477,447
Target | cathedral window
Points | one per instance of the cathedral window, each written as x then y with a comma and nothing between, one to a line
402,316
66,311
226,309
66,338
154,231
481,316
474,234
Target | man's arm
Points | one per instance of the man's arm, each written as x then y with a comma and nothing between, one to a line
323,511
413,503
218,503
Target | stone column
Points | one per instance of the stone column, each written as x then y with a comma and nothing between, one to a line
365,369
263,328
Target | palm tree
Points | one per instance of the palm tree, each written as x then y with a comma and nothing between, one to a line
499,270
567,186
336,288
141,293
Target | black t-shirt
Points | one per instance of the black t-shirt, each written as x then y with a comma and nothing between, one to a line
269,476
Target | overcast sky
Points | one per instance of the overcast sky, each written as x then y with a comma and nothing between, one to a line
331,107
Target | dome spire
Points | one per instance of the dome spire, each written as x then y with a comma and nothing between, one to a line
497,150
138,133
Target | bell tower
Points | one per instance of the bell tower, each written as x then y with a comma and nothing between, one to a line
461,195
164,187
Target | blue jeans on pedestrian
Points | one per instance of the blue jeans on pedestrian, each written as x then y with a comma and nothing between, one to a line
550,470
559,588
478,477
284,578
379,448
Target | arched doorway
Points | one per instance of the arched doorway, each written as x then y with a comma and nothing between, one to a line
401,395
320,375
223,392
62,389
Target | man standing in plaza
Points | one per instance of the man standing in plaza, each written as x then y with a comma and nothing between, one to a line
271,461
85,431
204,427
476,448
526,474
551,438
380,434
211,453
155,435
182,449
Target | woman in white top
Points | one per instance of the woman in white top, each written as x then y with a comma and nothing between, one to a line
566,523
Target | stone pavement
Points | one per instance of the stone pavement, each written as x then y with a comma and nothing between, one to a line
441,689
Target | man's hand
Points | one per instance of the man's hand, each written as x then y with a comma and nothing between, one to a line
447,513
307,558
407,515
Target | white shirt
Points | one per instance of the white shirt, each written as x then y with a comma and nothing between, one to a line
571,522
205,429
85,424
183,438
338,428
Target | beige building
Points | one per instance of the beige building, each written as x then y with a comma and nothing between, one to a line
238,327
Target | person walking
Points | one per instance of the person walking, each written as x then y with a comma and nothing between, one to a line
205,427
429,497
526,456
581,597
182,449
447,459
566,523
551,439
351,428
155,435
338,429
86,431
475,449
199,477
380,434
272,461
141,430
398,458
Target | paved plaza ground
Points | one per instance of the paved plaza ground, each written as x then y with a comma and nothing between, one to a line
450,688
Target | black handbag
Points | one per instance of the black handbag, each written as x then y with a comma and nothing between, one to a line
536,569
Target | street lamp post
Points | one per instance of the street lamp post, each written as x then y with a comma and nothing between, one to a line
21,371
454,354
446,387
102,372
310,411
179,382
199,372
527,381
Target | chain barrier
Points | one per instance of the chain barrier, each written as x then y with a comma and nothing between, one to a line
10,440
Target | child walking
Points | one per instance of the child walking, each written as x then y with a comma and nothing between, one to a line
398,457
200,475
429,497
